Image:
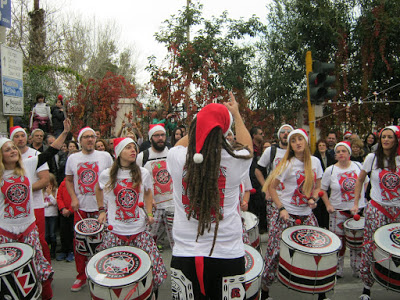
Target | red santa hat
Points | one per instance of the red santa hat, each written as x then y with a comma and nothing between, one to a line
14,130
120,144
211,116
3,141
347,133
156,127
300,131
60,97
83,130
396,131
345,144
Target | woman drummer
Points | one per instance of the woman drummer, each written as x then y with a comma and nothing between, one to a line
341,178
122,187
384,207
17,220
293,186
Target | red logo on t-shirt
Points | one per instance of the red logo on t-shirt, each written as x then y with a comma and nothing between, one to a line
162,178
127,198
87,177
298,198
16,197
347,182
389,183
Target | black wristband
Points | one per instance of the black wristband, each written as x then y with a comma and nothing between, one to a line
282,208
312,198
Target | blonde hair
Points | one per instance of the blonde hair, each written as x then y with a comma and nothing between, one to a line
19,168
53,182
308,172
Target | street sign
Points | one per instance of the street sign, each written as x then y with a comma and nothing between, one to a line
5,13
11,79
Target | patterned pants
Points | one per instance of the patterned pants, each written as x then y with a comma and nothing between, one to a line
270,212
160,224
145,242
373,220
43,268
278,225
336,221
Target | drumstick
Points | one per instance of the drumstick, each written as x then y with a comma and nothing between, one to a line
84,221
141,205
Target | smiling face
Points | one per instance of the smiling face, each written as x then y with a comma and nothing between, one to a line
387,139
297,143
100,146
10,153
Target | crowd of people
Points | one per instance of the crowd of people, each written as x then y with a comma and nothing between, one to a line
202,178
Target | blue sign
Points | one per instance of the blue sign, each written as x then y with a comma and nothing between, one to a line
13,87
5,13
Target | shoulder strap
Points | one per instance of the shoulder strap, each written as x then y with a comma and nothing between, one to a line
332,169
272,156
146,154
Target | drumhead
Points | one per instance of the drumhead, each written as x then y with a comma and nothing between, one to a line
13,256
254,263
311,239
388,238
354,225
250,220
118,266
89,226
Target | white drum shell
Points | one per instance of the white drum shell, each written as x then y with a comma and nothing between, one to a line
251,225
354,232
254,271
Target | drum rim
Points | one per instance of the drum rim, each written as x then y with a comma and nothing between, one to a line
115,281
124,285
351,220
262,264
256,218
5,271
88,234
381,245
328,232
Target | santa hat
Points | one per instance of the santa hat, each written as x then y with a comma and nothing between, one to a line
83,130
281,128
120,144
396,131
211,116
60,97
14,130
37,129
300,131
3,141
345,144
347,133
154,128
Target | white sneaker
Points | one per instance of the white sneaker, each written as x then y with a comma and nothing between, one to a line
365,297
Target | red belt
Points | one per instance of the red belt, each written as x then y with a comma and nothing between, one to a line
384,211
18,237
126,238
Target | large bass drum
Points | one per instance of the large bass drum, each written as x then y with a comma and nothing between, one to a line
254,268
122,272
308,259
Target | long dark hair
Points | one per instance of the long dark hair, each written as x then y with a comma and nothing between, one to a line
202,179
380,155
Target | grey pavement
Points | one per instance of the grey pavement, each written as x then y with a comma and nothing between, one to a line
346,288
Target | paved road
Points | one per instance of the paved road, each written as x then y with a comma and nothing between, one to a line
346,288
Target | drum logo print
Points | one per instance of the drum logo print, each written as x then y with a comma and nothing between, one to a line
87,177
395,237
89,226
9,255
311,238
16,192
249,261
118,264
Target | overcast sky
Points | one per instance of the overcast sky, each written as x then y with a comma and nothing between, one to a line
139,20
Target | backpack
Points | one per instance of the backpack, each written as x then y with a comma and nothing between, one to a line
146,154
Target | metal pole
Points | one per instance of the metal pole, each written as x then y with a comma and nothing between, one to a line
311,107
3,119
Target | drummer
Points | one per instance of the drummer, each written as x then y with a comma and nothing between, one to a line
17,220
341,178
122,187
298,177
384,207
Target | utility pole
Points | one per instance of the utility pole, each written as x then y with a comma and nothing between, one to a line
311,107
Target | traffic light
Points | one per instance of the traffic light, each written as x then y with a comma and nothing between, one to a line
319,82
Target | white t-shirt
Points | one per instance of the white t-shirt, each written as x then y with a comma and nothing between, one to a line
385,184
229,242
265,158
38,200
16,211
291,183
342,183
86,169
50,205
124,214
162,182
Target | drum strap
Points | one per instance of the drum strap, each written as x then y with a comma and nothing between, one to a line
199,262
18,237
126,238
384,211
346,213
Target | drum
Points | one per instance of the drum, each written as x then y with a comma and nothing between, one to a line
354,232
251,224
254,268
18,273
88,236
169,214
386,266
308,259
120,273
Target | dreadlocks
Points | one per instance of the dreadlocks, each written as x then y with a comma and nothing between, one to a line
202,180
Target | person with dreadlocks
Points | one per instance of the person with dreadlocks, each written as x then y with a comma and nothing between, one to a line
293,186
208,255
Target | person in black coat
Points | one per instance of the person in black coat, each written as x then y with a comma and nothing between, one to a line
58,116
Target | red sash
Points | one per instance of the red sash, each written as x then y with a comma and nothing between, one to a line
18,237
